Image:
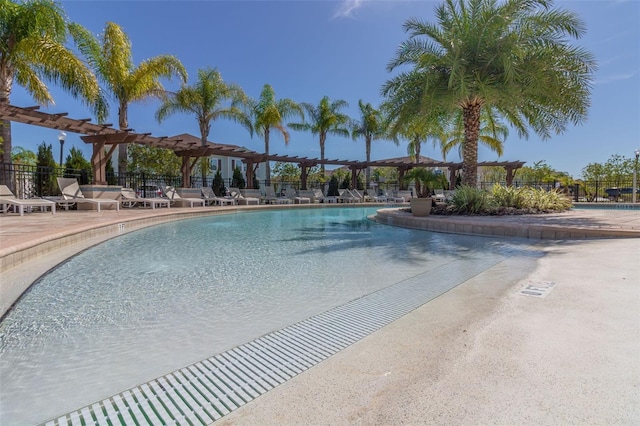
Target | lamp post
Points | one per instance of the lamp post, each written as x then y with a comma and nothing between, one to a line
635,176
61,136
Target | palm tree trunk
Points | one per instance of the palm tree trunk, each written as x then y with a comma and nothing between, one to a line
471,114
6,82
204,161
323,138
417,145
368,172
266,151
123,122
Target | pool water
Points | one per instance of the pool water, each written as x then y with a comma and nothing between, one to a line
141,305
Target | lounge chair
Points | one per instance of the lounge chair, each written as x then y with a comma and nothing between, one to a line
438,196
374,198
210,198
241,199
307,193
358,195
400,197
293,195
318,195
346,196
130,199
71,194
272,198
7,198
171,193
252,193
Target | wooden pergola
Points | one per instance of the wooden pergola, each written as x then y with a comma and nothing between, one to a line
190,148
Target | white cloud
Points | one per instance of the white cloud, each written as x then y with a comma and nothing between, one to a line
347,8
615,77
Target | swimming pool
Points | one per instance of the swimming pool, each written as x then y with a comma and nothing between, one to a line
149,302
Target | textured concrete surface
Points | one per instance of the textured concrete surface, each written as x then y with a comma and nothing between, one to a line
485,354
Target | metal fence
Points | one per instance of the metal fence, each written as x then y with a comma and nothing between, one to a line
36,181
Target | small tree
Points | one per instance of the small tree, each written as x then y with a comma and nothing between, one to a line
218,184
333,187
45,176
237,181
346,182
76,163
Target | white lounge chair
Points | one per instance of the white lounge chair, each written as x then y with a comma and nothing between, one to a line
272,198
7,198
346,196
241,199
211,198
293,195
130,199
71,194
171,193
318,195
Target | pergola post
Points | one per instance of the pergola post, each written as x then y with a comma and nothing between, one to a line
185,168
354,177
510,174
250,172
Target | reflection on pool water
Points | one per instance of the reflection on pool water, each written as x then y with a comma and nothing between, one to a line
152,301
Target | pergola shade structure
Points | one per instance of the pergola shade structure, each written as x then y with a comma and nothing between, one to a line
190,149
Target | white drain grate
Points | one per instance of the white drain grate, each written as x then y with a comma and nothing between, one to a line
206,391
537,289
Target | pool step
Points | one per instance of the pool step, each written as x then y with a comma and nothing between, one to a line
203,392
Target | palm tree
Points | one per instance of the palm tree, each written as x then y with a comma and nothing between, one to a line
371,126
268,113
326,119
112,60
512,55
208,99
416,129
32,38
492,133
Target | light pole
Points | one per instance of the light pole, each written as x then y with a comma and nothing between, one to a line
635,176
61,137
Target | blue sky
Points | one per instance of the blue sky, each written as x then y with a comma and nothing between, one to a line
308,49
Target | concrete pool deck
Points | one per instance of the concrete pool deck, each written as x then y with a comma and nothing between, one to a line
481,353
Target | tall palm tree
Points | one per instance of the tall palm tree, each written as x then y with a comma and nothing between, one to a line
32,38
112,60
492,133
269,113
371,126
325,119
416,129
208,99
512,55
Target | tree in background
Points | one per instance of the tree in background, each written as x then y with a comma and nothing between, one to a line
218,184
77,166
268,114
237,181
32,38
513,56
371,126
152,160
209,99
112,60
286,172
492,133
332,191
46,183
325,119
20,155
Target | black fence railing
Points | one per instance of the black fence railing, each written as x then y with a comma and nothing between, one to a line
36,181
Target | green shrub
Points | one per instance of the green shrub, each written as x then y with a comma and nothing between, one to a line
471,200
